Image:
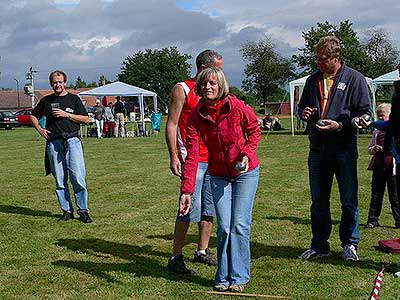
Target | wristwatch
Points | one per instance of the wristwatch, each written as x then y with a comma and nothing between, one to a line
69,115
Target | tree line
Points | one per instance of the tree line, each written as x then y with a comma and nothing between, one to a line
267,72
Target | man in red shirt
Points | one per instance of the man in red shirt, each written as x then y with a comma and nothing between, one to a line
183,100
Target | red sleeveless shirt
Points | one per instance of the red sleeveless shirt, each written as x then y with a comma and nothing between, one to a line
191,101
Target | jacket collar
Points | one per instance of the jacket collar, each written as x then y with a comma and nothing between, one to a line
338,73
227,105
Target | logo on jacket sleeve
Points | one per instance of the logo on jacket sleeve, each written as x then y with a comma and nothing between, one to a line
341,86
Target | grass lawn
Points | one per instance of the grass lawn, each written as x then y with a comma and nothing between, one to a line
133,200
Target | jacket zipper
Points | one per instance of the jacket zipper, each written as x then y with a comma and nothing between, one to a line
223,147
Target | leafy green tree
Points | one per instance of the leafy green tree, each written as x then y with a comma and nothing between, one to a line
80,83
382,53
352,52
103,80
93,84
248,99
157,70
373,57
266,70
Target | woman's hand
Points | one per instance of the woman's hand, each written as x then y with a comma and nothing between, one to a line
243,166
184,204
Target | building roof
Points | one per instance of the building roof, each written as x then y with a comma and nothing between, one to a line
9,98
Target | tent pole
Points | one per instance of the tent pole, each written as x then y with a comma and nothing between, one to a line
142,113
291,98
155,103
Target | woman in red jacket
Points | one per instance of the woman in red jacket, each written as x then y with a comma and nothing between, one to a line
230,130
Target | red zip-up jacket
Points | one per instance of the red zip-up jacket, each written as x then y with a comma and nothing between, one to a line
234,134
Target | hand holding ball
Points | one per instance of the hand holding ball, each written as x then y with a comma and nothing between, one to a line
240,166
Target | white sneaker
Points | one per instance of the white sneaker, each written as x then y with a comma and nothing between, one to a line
350,253
220,287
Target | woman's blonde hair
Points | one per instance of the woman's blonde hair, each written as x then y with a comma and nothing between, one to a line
221,80
385,107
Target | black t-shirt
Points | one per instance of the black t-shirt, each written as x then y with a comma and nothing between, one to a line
119,107
70,103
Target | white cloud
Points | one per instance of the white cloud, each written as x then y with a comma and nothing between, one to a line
90,38
94,43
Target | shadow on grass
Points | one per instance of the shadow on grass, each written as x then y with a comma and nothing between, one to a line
190,239
297,220
26,211
257,249
288,252
140,261
281,132
307,221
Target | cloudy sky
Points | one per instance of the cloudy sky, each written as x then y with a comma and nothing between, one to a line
89,38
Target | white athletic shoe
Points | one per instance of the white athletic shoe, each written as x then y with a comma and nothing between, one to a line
350,253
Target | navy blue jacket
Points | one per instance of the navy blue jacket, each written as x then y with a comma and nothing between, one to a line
349,98
393,131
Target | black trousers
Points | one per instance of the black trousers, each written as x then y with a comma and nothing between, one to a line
379,181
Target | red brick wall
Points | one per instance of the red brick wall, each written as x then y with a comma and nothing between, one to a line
272,108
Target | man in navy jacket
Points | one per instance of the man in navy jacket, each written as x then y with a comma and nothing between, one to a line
333,100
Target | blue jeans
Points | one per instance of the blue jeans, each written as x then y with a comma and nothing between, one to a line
322,166
66,159
233,200
202,203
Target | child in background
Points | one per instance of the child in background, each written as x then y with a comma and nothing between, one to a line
383,169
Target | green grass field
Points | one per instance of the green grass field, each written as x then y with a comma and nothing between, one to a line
133,200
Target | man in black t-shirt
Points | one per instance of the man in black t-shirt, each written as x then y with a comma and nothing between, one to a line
120,113
64,113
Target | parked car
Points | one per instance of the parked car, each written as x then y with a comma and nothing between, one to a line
8,120
24,116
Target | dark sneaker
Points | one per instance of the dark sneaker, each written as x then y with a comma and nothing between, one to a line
84,217
66,216
350,253
372,225
237,288
207,258
177,265
311,254
220,287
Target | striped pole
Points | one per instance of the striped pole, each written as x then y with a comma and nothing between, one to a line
378,282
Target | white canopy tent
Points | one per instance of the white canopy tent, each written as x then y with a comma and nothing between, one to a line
292,86
124,90
386,79
300,84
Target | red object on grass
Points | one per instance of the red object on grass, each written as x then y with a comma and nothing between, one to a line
391,246
378,281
